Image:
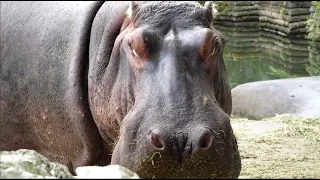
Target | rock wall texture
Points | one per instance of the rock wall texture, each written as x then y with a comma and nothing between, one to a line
251,43
287,18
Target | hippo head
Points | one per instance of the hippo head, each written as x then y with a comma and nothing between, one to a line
164,100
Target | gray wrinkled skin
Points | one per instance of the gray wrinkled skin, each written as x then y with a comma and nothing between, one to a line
44,106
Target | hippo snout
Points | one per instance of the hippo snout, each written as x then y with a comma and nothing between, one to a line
201,145
181,145
178,143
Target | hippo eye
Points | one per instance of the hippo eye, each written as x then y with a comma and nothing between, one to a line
209,49
215,46
137,47
130,44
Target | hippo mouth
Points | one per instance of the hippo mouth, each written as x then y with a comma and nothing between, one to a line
161,165
164,152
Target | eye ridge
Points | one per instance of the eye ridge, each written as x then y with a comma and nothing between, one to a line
215,46
141,50
215,49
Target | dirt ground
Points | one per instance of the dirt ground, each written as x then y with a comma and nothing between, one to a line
284,146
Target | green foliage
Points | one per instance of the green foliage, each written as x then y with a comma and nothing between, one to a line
313,29
313,67
282,9
281,74
222,6
313,23
201,2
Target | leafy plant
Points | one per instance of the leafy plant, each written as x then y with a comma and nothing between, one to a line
313,23
313,29
222,6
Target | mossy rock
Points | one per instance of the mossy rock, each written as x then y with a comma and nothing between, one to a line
29,164
25,163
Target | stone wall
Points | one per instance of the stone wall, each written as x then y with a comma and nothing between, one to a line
287,18
289,53
282,56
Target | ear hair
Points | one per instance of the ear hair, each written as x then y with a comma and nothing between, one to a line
211,9
132,8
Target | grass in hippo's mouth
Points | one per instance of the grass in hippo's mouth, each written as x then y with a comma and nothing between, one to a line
285,146
161,165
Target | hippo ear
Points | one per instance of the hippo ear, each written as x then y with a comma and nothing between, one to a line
211,9
132,9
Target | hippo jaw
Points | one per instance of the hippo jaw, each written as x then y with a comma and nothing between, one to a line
167,103
140,153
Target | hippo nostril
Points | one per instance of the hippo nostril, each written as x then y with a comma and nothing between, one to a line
156,140
205,140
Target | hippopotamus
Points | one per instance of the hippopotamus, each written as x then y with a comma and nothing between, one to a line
138,84
264,99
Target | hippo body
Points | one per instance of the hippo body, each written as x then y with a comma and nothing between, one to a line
94,83
44,101
263,99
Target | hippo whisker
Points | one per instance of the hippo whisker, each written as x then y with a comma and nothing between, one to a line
219,153
224,134
221,143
